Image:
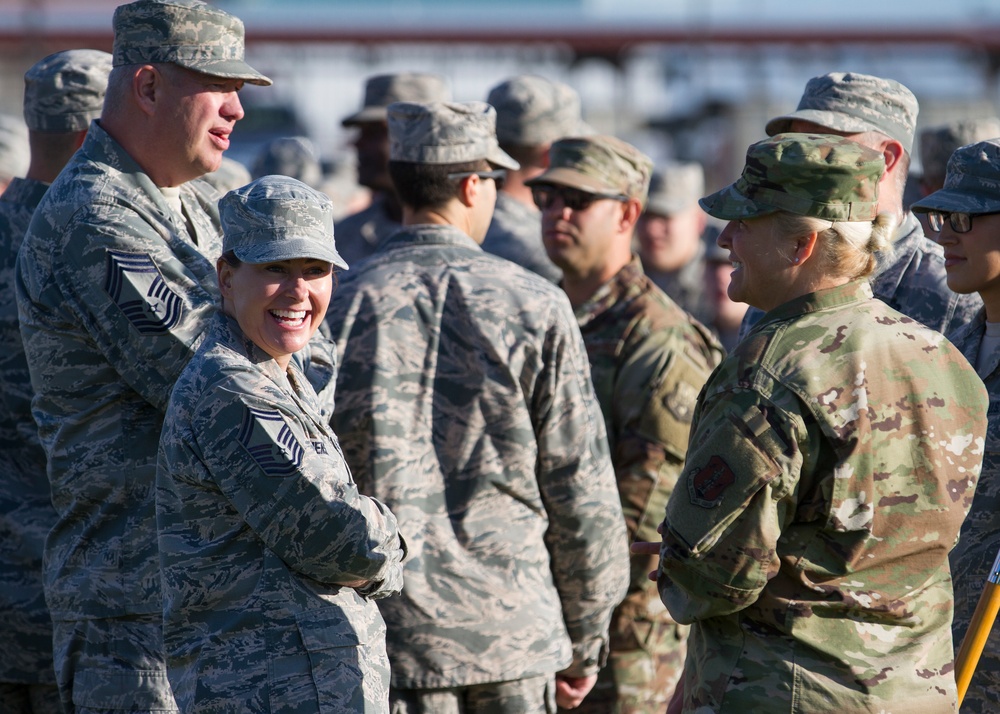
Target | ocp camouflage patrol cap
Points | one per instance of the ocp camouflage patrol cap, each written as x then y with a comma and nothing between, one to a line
675,187
385,89
15,156
187,33
445,133
823,176
972,184
598,164
535,111
938,143
855,103
278,218
65,91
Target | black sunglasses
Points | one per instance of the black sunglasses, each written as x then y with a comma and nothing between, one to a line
574,199
498,176
960,222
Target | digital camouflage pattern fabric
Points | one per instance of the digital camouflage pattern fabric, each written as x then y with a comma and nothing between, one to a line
188,33
648,362
853,103
516,234
359,234
385,89
465,405
675,187
64,92
822,176
973,557
26,513
445,133
972,184
259,522
798,542
113,295
913,281
535,111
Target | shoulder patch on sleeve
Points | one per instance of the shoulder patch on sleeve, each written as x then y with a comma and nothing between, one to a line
266,435
134,282
707,484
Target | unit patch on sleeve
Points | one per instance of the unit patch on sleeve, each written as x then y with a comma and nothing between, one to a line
706,485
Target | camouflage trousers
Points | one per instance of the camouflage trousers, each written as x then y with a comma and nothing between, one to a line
645,664
534,695
112,665
29,698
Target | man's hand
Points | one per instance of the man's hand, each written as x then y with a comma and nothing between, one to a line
570,691
643,547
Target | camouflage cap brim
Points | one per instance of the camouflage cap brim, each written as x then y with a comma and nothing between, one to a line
828,120
572,179
228,69
972,184
728,204
499,157
368,115
280,244
950,201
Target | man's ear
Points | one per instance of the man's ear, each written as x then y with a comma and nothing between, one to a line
631,210
146,83
224,274
469,189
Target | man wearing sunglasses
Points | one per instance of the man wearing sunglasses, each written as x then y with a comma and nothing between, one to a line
965,216
464,404
648,361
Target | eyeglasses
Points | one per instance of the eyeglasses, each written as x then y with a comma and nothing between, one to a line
960,222
498,176
545,195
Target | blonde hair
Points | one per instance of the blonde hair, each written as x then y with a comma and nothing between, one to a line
850,249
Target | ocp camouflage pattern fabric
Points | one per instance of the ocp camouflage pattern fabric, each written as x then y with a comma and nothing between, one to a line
833,457
464,403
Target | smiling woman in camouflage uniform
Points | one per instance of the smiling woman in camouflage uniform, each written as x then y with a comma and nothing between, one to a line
270,556
833,456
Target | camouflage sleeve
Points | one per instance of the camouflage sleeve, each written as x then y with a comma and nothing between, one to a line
296,494
724,519
140,305
586,535
654,401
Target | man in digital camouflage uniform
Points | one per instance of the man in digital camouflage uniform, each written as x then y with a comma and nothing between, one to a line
359,234
532,112
62,94
972,186
115,283
648,362
882,115
671,236
466,406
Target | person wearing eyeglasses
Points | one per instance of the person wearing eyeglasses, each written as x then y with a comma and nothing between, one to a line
464,403
648,361
964,216
834,455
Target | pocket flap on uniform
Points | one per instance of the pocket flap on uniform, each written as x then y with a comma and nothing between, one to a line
350,626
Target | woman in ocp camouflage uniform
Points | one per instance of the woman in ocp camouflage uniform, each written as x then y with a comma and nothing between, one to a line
833,457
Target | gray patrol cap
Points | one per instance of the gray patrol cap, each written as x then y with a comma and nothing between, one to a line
675,187
972,184
278,218
938,143
65,91
598,164
445,133
188,33
855,103
535,111
289,156
15,156
385,89
823,176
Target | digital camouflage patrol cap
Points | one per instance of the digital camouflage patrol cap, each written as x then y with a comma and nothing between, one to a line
445,133
675,187
972,184
65,91
598,164
187,33
855,103
938,143
535,111
822,176
278,218
385,89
